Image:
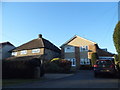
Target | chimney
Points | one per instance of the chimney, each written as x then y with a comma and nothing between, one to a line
40,36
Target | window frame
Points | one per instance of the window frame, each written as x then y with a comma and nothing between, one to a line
23,52
85,61
83,48
14,54
71,49
35,50
73,60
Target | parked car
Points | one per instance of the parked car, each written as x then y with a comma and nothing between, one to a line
104,67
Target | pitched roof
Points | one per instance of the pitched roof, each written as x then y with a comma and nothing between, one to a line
82,41
101,52
5,43
38,43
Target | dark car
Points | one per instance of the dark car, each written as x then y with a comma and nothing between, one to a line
104,67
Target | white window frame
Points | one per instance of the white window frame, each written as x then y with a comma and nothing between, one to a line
23,52
81,61
84,61
35,50
69,49
14,53
83,47
73,60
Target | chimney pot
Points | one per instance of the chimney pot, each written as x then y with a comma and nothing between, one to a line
40,35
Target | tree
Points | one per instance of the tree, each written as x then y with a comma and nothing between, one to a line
94,57
116,58
116,38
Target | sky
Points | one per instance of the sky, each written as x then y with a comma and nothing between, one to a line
59,21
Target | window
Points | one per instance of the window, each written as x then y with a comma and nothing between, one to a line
85,61
82,61
14,53
83,48
73,60
69,49
23,52
35,50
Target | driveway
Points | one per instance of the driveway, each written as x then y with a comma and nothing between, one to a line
81,79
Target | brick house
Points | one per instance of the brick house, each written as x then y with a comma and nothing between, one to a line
39,50
79,50
37,47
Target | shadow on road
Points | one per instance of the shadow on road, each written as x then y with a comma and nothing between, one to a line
108,76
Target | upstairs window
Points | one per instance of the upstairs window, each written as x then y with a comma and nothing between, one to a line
23,52
14,53
70,49
84,48
35,50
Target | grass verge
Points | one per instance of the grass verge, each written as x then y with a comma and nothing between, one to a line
8,82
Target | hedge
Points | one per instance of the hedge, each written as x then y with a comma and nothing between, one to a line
19,68
116,38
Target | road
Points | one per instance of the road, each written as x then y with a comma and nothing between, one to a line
82,79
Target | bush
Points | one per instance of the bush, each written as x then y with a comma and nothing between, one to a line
58,65
53,68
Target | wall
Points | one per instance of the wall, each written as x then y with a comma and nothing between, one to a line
62,53
78,41
84,54
50,54
92,49
5,51
77,56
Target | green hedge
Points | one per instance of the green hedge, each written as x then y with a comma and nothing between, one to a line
58,65
19,68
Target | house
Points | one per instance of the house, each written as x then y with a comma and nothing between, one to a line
37,47
5,48
104,54
79,51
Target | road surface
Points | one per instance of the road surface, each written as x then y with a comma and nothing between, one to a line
81,79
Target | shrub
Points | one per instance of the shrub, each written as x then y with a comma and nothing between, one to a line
58,65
